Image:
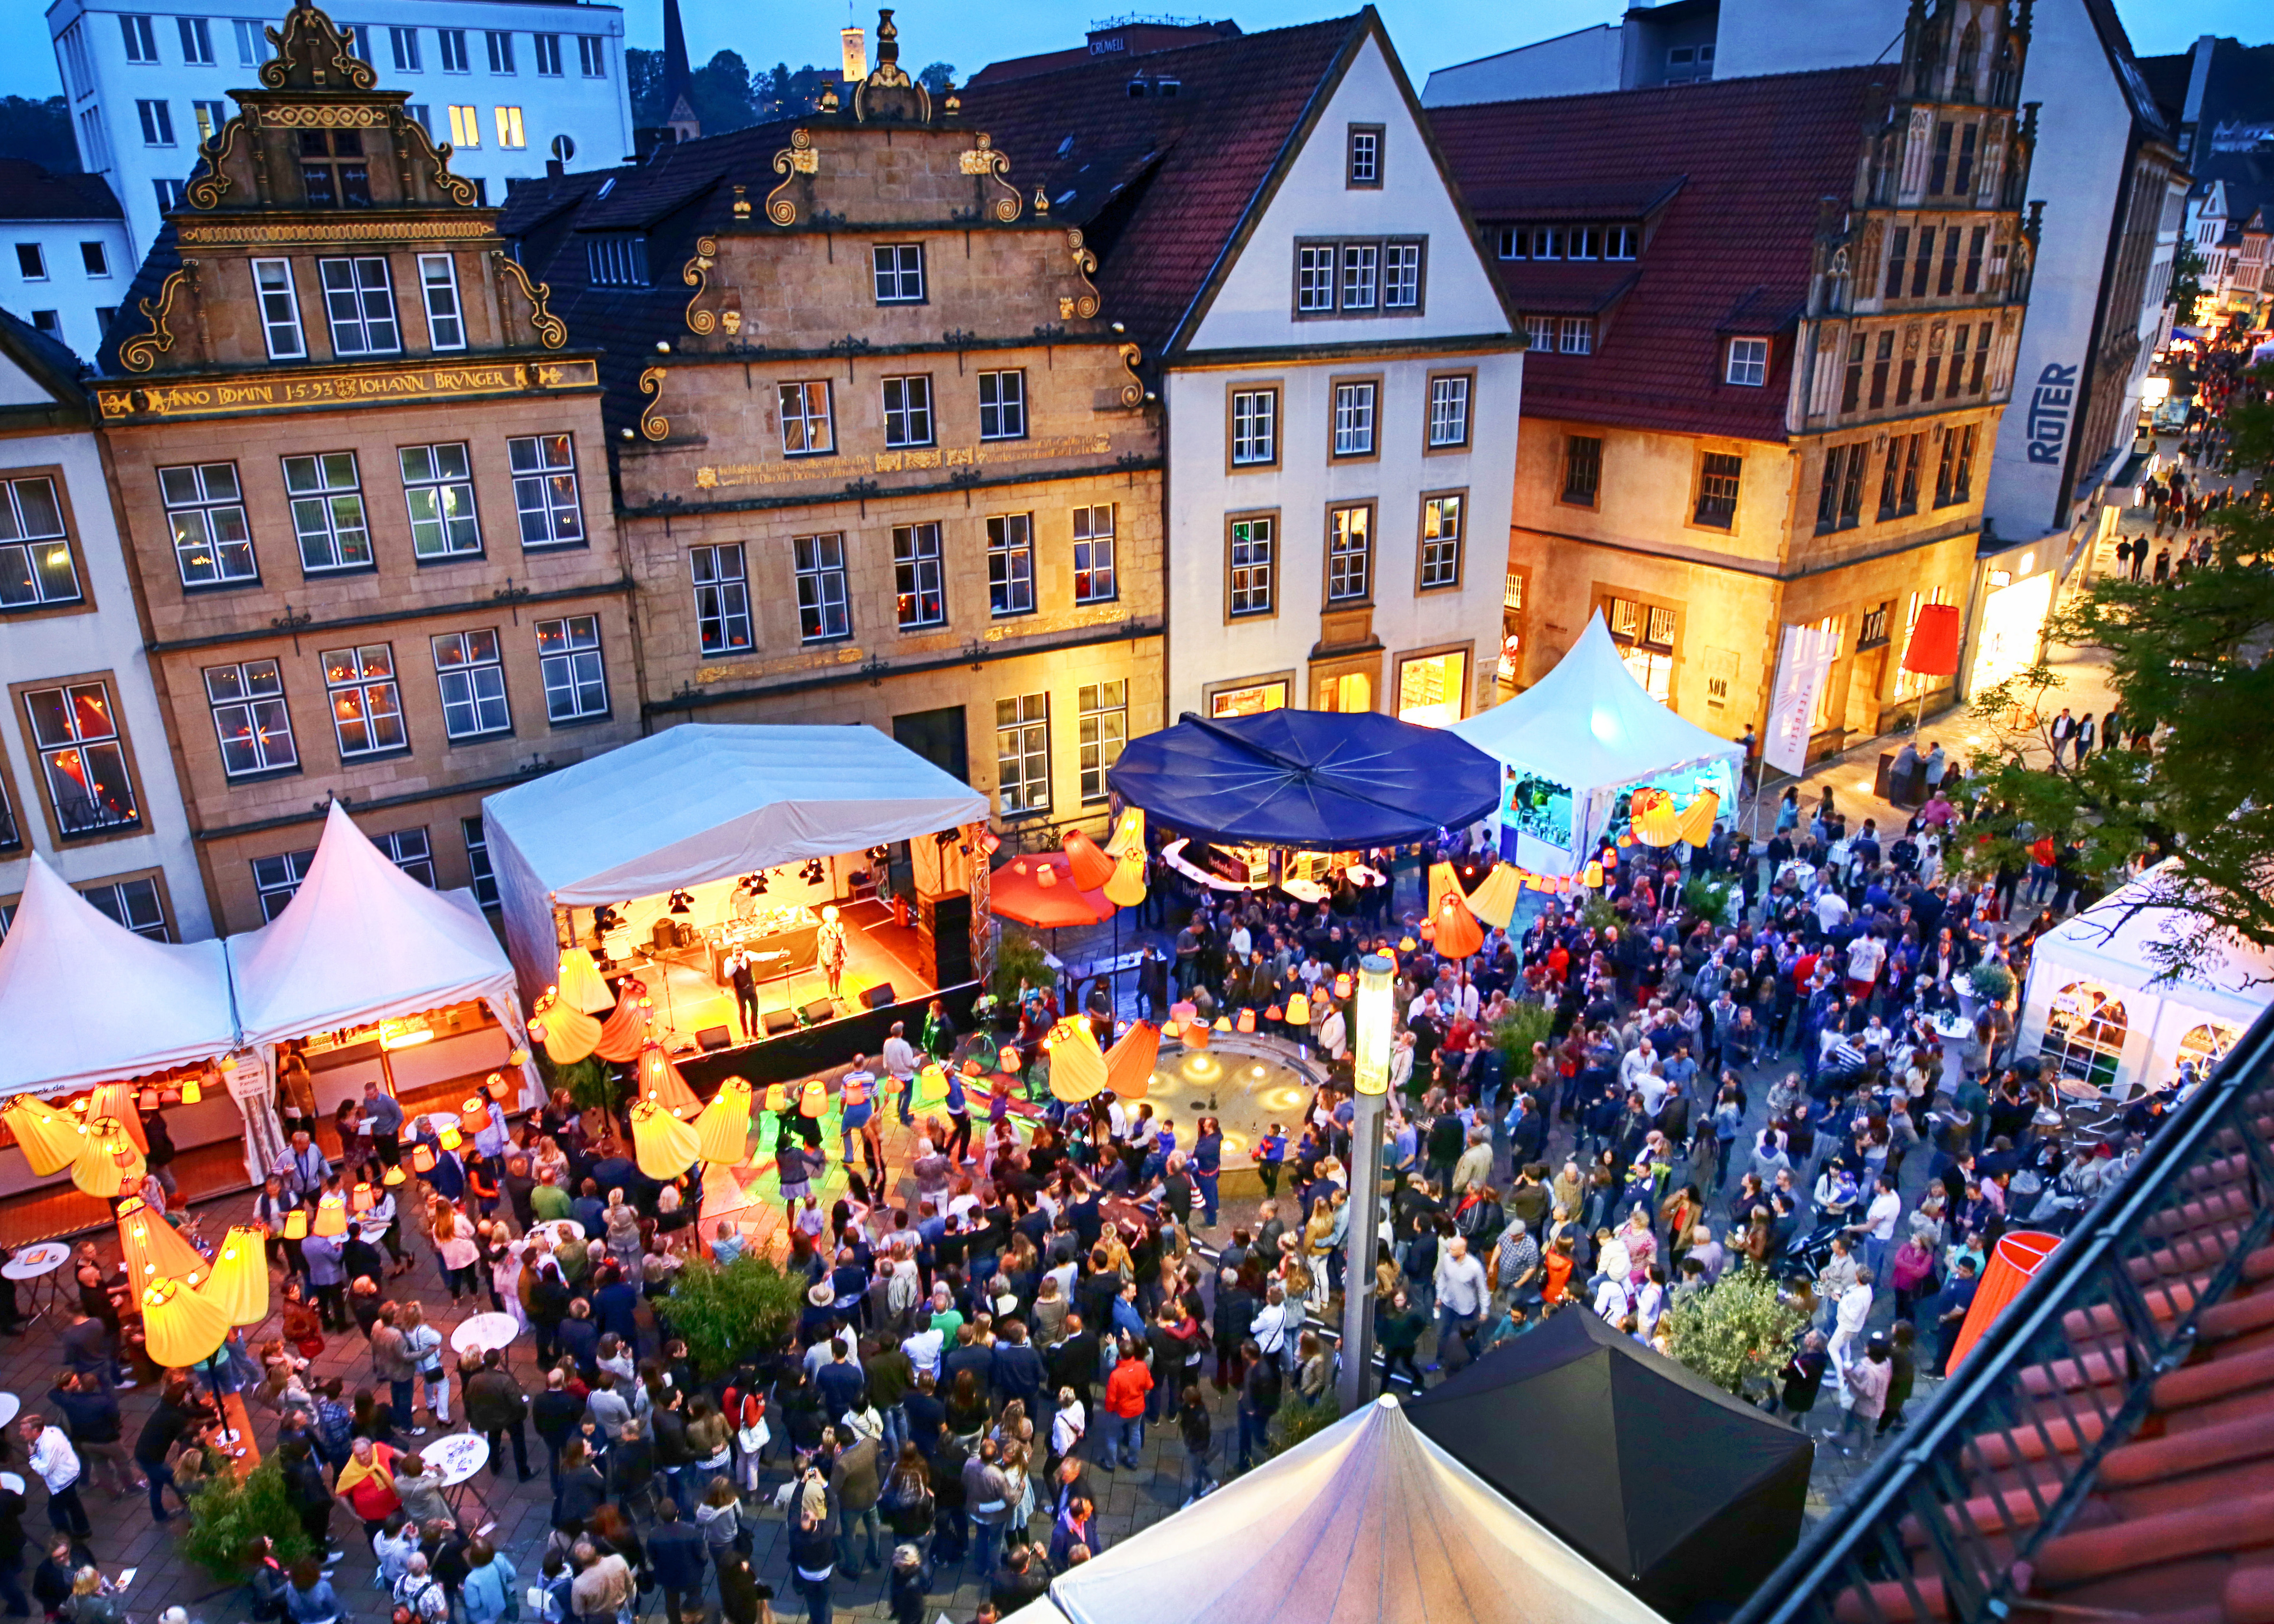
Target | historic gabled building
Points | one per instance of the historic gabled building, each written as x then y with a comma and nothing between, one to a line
882,453
359,469
1773,327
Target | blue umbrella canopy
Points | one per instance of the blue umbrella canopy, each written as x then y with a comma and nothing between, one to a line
1315,780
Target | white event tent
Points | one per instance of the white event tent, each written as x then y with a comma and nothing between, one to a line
1367,1520
2097,1005
1577,740
697,803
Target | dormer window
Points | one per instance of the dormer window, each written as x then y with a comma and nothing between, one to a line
1748,363
616,259
333,170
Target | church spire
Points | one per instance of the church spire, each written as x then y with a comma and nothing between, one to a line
678,77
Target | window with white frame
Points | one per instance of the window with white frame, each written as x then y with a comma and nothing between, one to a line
276,879
1539,333
549,55
133,902
592,55
722,598
501,45
1440,542
1254,427
1576,336
1022,754
209,116
1361,275
1250,566
616,258
805,426
509,132
478,860
465,126
818,563
437,484
545,490
1645,635
365,701
1104,710
328,511
1011,564
1449,412
249,719
157,123
1749,361
1095,581
1401,276
409,850
437,284
568,659
919,588
1357,278
141,38
1314,278
36,569
899,273
205,508
1354,414
469,669
404,42
359,304
251,46
1364,168
454,50
907,410
1003,405
82,757
1349,553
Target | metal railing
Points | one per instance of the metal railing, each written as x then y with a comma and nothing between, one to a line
1945,1524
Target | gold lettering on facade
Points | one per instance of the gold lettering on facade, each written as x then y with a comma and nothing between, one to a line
712,476
226,397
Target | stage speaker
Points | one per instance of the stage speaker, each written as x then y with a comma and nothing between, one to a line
877,997
710,1040
944,938
814,1013
778,1021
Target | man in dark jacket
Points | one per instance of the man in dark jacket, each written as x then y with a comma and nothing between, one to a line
494,1406
675,1560
1074,1361
583,1489
160,1433
673,1454
90,1415
555,1414
1230,1321
1016,1371
951,1527
548,1307
1258,1401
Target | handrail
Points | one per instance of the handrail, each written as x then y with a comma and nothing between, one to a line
2072,1360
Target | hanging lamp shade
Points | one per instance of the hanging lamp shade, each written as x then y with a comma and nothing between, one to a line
1696,821
1087,867
107,1161
931,1087
1299,1009
1611,853
1129,1064
1223,1023
1126,888
1459,934
497,1087
778,1096
1594,876
1010,1061
331,1214
1046,874
395,1176
296,1224
1933,651
624,1033
1077,1068
238,1285
49,1138
1195,1036
2017,1257
567,1034
474,1115
423,1157
581,984
179,1326
1493,900
660,1084
192,1093
1274,1014
1656,822
723,1130
1342,984
1247,1020
813,1098
363,1197
664,1146
1128,834
117,1102
450,1138
1442,880
153,1249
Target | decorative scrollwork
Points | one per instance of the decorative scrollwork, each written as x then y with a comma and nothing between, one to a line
1086,304
314,45
653,423
696,275
459,191
140,353
798,158
1133,392
211,185
984,159
552,332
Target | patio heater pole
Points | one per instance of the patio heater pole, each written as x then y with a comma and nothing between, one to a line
1370,1056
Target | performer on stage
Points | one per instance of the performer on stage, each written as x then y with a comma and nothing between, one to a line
829,947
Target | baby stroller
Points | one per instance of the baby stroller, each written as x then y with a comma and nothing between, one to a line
1805,1257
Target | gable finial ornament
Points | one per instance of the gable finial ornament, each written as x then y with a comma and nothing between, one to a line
798,158
210,185
888,83
314,53
552,332
984,160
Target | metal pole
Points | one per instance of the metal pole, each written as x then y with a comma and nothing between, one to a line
1370,1057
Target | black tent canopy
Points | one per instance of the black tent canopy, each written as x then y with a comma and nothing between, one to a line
1683,1493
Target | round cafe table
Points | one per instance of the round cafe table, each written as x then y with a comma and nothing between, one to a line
478,1334
458,1458
38,1263
1956,1034
10,1406
553,1231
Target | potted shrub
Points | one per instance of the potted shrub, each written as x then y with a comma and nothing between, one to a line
1988,984
228,1512
723,1313
1737,1333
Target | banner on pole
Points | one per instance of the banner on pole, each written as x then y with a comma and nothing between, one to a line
1803,667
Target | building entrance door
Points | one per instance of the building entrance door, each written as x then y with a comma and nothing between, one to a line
938,737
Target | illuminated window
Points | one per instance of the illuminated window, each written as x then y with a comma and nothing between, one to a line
366,704
1011,564
255,730
1249,699
327,513
722,598
465,127
1441,542
1022,753
819,562
1349,553
508,128
805,418
36,570
568,660
213,544
82,758
2085,1029
919,589
545,490
2202,1048
1095,579
1430,687
1249,563
470,673
438,484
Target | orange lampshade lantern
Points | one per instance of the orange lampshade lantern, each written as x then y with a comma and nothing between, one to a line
1126,888
1459,934
1343,985
115,1100
776,1096
192,1093
660,1084
1494,900
107,1161
662,1145
49,1138
238,1285
813,1098
1223,1023
153,1249
1077,1068
1594,876
722,1131
395,1176
331,1214
1195,1036
1299,1010
1009,1060
1698,818
423,1158
296,1224
1129,1062
148,1099
497,1087
1274,1014
474,1115
625,1032
1933,648
1128,834
362,1198
179,1326
567,1032
1086,866
1247,1020
2018,1255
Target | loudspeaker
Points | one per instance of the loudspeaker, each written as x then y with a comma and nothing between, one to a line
814,1013
712,1039
877,997
778,1021
944,938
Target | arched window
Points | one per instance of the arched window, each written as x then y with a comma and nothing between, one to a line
2200,1050
1970,53
2085,1034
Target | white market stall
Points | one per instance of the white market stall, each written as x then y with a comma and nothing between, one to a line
377,978
1368,1520
1574,745
2096,1008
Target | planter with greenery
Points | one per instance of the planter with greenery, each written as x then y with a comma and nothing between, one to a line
723,1313
1515,1036
591,1085
1737,1333
1707,899
1993,983
1299,1419
227,1514
1019,959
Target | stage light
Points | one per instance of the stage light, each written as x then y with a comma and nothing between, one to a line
681,902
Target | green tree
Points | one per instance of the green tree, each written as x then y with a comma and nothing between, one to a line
227,1514
938,77
1736,1334
720,91
644,75
39,131
723,1313
2186,282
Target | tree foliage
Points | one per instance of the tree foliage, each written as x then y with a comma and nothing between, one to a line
723,1313
1737,1334
40,131
2186,281
227,1514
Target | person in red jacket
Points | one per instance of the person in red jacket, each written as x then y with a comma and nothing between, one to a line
1125,1405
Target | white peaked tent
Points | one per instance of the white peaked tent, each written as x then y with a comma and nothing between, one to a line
1589,727
362,941
697,803
84,1000
1367,1522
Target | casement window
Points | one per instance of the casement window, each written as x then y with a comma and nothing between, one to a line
277,880
157,123
907,410
1095,579
469,671
1361,276
1569,242
805,426
365,701
1961,180
478,862
1104,722
1947,283
133,902
1003,405
1440,542
592,55
722,598
1449,412
438,285
411,851
438,485
209,116
1978,244
1748,363
403,44
359,304
74,731
569,663
205,508
501,46
1899,477
1540,333
37,570
1349,553
1314,279
1718,473
328,511
1022,754
454,50
549,55
1251,567
1954,480
1362,166
1899,248
1576,336
1583,469
1011,564
899,269
1922,266
334,174
1354,418
141,37
249,719
918,585
545,490
616,258
1938,169
465,126
1851,386
1981,360
509,131
1401,276
819,564
1882,360
1254,427
1358,278
1840,498
1645,635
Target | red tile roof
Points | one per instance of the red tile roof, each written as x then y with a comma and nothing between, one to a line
1734,171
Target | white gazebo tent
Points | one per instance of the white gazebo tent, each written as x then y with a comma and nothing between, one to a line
362,943
697,804
1365,1522
2097,1007
1574,741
